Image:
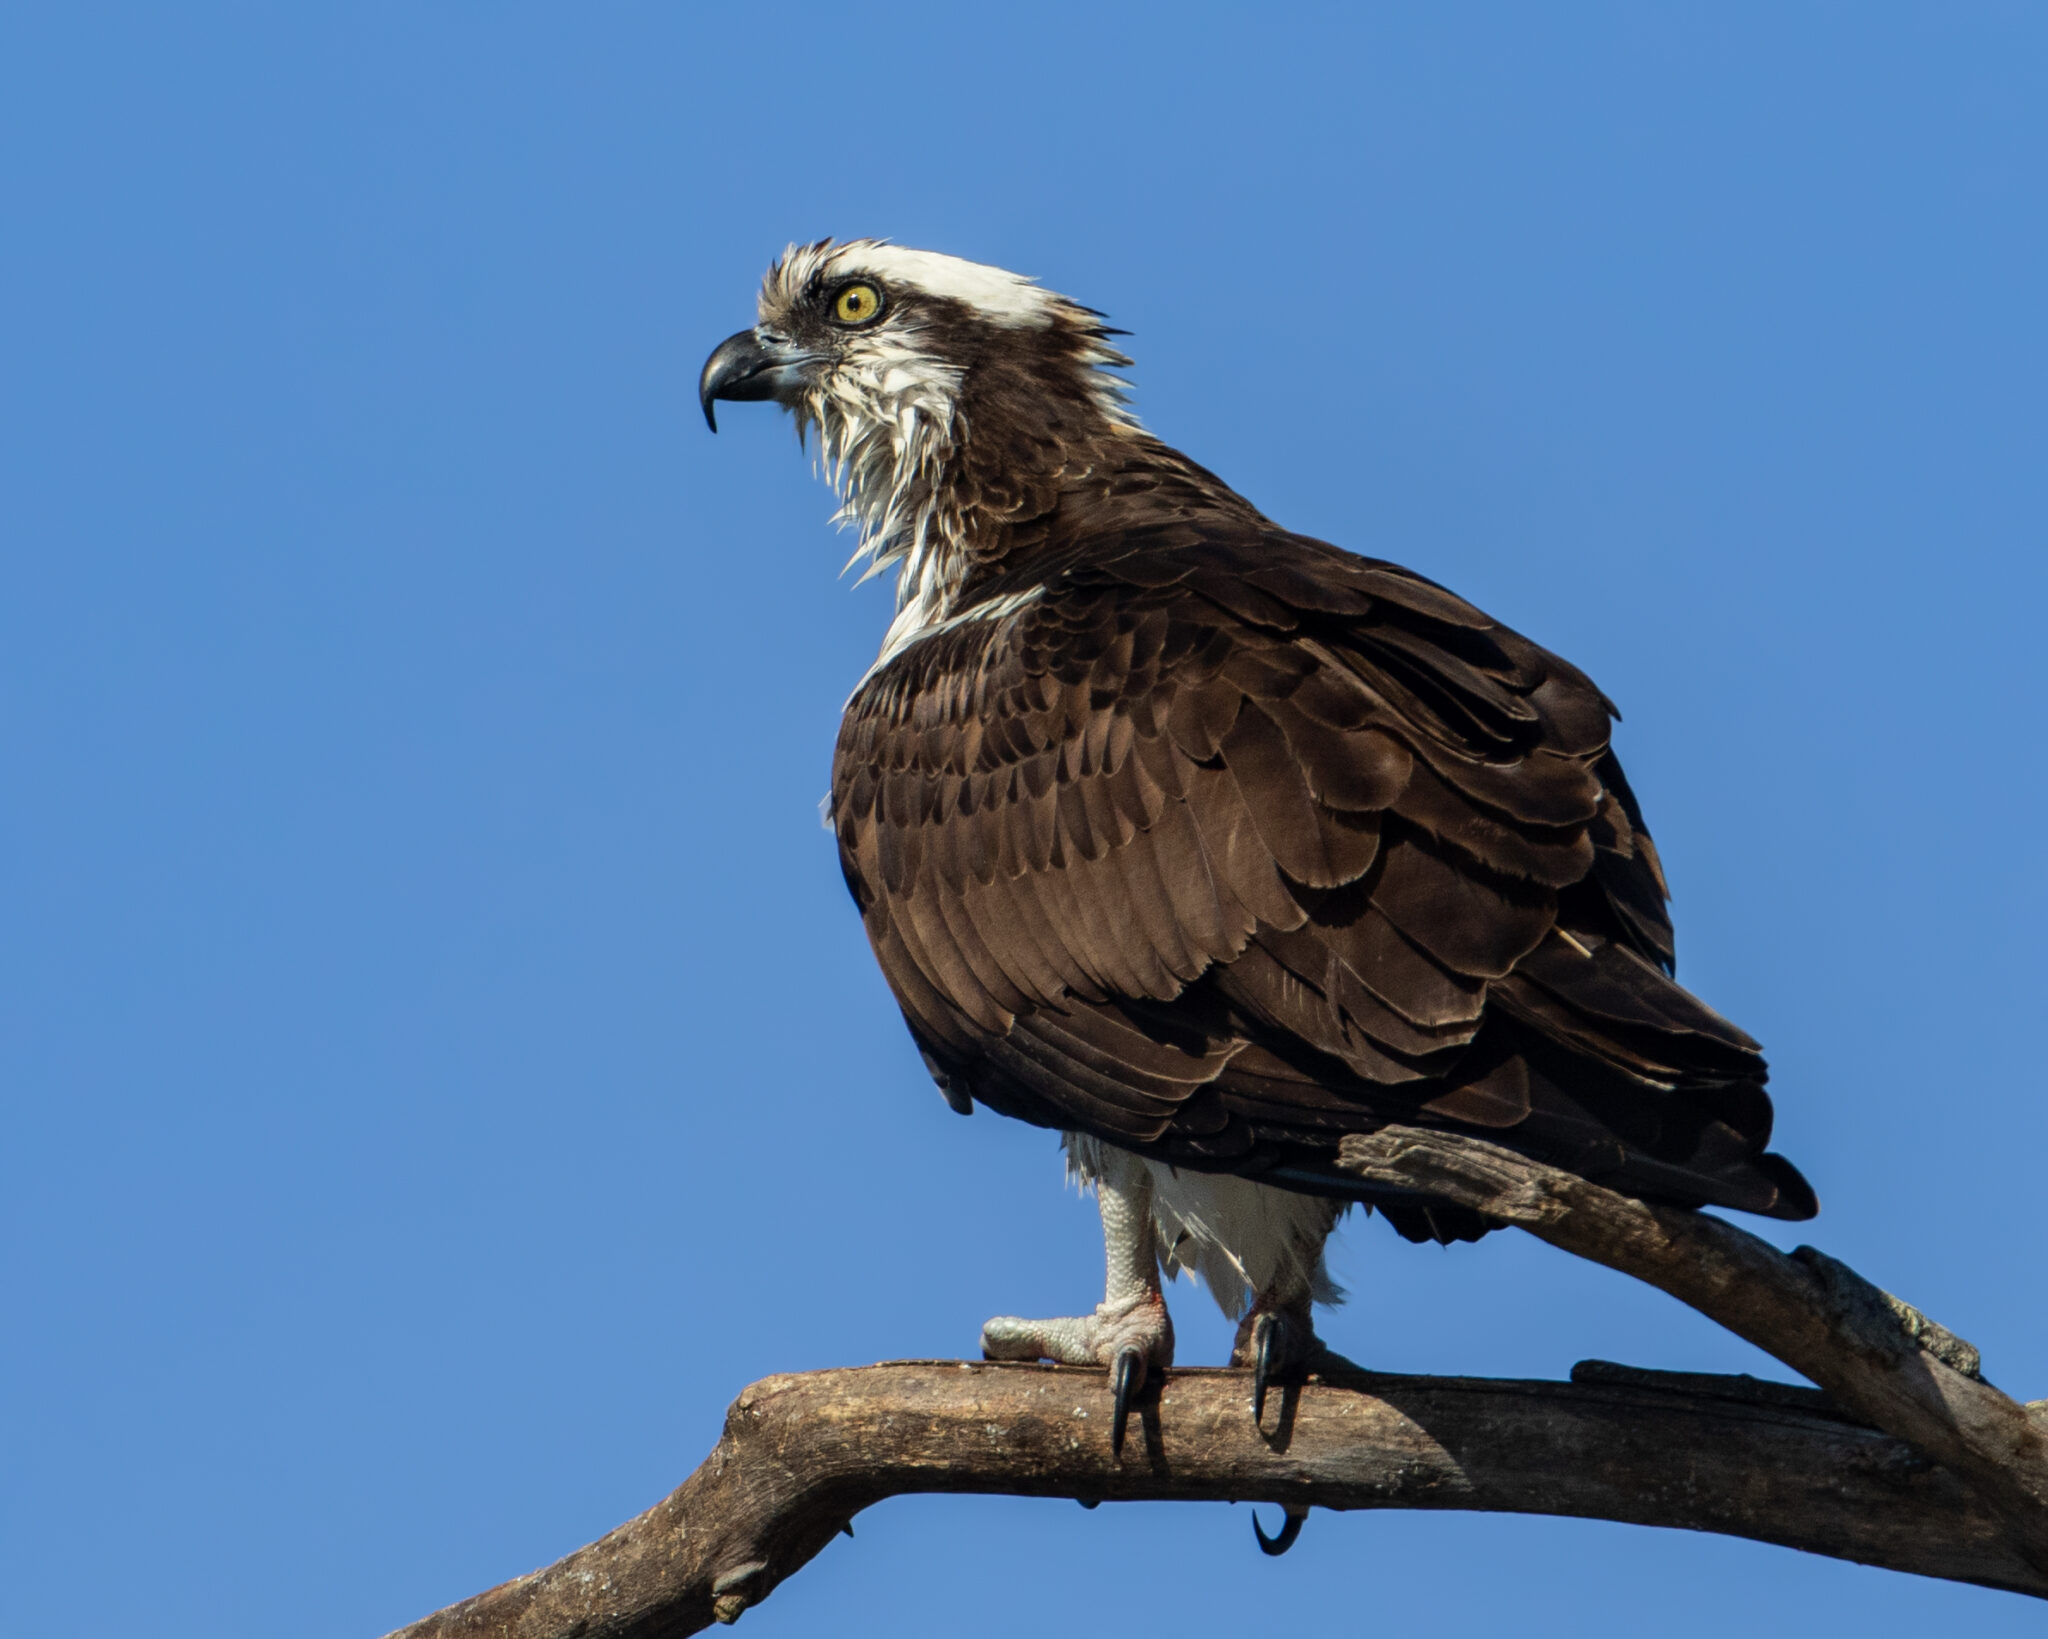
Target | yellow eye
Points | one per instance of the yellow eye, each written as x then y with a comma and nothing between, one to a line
856,304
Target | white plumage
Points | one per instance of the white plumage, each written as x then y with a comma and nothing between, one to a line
1239,1236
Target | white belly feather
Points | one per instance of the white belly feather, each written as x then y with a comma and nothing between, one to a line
1243,1238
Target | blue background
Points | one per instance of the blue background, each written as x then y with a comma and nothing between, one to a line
441,1065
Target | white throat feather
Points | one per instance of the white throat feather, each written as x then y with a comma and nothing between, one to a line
889,419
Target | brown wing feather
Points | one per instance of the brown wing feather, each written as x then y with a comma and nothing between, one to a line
1225,843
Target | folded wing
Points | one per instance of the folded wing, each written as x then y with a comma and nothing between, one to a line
1222,846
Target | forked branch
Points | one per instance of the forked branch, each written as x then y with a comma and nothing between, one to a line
1952,1481
803,1454
1876,1357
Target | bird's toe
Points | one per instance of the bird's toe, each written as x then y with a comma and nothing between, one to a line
1134,1340
1279,1345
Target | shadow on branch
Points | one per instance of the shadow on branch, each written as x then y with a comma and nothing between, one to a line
1904,1458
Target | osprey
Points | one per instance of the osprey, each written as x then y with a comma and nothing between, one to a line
1206,843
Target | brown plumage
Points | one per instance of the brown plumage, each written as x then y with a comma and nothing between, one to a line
1229,843
1215,842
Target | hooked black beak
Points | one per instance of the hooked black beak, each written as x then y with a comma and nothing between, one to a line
746,368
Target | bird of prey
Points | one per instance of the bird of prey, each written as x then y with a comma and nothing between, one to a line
1206,843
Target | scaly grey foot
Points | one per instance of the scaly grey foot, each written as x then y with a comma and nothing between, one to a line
1280,1345
1134,1339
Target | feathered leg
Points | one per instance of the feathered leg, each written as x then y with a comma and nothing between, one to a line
1130,1331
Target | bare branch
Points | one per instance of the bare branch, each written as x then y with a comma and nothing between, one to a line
1904,1457
1877,1357
801,1455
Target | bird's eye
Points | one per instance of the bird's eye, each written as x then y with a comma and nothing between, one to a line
856,304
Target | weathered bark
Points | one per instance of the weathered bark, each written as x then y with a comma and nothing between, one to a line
801,1455
1875,1356
1904,1457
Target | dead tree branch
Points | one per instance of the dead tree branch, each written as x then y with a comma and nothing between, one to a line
1875,1356
801,1455
1904,1457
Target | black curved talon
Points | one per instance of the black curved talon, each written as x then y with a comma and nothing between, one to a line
1274,1547
1126,1374
1263,1328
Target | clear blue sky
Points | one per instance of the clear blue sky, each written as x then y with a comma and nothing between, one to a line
441,1065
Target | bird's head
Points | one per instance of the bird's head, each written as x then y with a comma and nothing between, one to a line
904,361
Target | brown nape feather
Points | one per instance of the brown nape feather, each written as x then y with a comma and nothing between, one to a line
1220,843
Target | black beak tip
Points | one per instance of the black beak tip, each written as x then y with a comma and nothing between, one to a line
709,381
744,368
